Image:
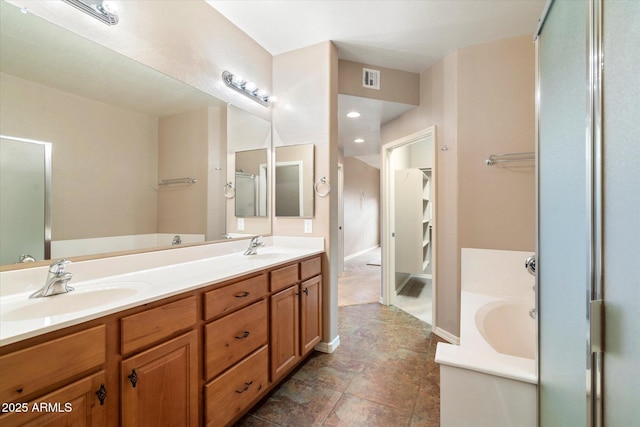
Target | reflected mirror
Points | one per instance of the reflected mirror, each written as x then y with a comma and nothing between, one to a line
138,157
294,175
248,174
251,183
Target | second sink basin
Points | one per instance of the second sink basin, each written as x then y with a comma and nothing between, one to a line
82,298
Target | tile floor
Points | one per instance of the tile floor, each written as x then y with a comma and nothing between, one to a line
382,374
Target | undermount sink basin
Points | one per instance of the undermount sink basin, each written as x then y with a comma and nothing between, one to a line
82,298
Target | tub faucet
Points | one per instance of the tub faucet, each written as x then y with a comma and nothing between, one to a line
57,281
253,246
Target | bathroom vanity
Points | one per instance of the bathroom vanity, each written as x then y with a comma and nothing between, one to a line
193,354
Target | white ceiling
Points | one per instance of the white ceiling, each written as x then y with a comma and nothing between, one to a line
398,34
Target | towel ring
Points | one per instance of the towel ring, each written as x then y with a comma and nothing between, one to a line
229,191
322,181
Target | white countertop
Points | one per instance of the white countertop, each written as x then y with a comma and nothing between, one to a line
98,294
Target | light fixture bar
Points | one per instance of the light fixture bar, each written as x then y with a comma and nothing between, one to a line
246,88
96,9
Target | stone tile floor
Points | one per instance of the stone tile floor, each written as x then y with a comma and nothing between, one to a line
382,374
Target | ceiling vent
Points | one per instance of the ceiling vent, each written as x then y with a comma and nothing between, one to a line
371,78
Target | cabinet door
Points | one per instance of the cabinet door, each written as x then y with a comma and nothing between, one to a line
310,314
285,347
160,385
75,405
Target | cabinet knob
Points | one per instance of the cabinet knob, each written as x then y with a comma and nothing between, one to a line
244,335
245,388
133,378
102,394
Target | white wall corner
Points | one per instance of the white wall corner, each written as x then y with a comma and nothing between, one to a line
329,347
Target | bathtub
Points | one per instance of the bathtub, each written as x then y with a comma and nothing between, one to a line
490,378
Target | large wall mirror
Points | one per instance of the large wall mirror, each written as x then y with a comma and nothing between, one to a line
137,157
294,175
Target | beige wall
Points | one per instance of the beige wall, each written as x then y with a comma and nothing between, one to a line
496,85
104,168
395,85
481,100
305,81
361,206
182,153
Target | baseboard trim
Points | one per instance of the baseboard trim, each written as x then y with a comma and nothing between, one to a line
347,258
447,336
329,347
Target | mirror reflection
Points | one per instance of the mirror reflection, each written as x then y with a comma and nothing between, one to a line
294,175
118,129
251,183
25,184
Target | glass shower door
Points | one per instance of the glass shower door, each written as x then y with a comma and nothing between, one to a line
25,176
563,223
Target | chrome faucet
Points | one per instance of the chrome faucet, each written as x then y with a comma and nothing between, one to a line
57,281
253,246
176,240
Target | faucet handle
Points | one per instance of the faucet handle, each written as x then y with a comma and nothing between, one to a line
58,266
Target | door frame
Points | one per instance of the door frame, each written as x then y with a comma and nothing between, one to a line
387,291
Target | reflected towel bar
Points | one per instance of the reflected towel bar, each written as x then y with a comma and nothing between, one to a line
510,157
167,182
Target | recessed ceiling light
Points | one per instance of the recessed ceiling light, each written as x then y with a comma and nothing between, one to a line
358,140
353,114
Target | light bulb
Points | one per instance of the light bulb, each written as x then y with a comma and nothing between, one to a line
250,87
112,7
353,114
358,140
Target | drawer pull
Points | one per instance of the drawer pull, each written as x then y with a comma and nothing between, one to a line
306,291
244,335
102,394
245,388
243,295
133,378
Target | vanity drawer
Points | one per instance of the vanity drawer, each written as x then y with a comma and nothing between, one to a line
310,268
284,277
235,390
27,371
151,326
226,299
231,338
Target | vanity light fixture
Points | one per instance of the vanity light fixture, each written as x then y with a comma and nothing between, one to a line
247,88
358,140
353,114
103,10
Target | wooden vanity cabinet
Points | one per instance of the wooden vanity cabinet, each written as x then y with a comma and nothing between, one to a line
65,384
203,357
236,365
310,314
159,385
296,314
285,331
76,404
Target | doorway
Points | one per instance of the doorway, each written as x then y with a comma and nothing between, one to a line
408,183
